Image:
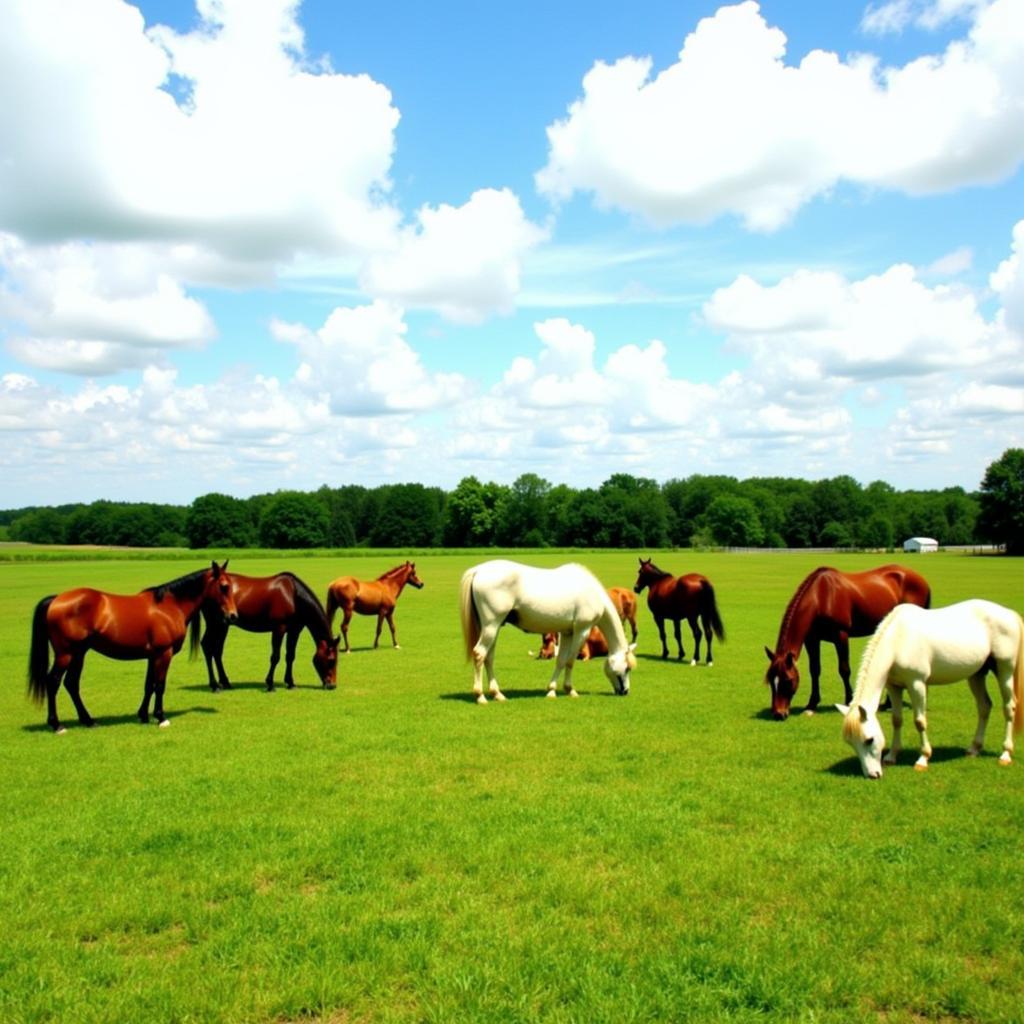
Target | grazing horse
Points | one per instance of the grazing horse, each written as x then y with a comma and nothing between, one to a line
915,648
151,625
376,597
689,597
568,600
595,644
832,606
281,605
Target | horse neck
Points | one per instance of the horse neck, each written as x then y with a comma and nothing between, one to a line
798,618
311,611
396,580
611,625
874,667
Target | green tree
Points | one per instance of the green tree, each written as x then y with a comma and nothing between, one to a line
39,526
522,512
734,522
470,513
219,521
410,516
294,520
1001,515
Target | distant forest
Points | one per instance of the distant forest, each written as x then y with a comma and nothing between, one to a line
624,511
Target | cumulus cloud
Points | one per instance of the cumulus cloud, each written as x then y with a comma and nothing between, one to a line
264,155
731,128
888,325
360,359
462,261
1007,281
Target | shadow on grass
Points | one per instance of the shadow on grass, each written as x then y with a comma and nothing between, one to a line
850,766
765,714
128,719
468,697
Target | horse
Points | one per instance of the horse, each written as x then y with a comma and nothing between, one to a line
915,648
282,605
151,624
832,606
594,645
568,600
690,597
376,597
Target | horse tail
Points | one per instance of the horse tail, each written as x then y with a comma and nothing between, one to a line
468,614
39,651
1018,679
711,609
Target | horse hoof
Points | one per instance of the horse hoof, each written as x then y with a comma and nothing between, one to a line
920,766
1005,758
693,661
973,751
500,697
808,712
710,663
398,647
481,699
550,695
59,731
166,722
573,693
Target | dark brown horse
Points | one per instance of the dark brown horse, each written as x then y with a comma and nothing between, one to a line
373,597
832,606
689,597
283,606
150,625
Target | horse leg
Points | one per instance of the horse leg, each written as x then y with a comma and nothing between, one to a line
53,679
678,627
661,632
161,663
919,703
289,656
896,699
147,693
345,620
813,645
213,647
981,698
483,658
632,626
568,647
380,626
275,656
390,616
695,629
843,653
71,680
1004,676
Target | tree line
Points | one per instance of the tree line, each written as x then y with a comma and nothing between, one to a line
624,511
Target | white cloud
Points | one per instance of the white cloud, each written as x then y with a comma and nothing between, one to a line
883,326
1007,281
730,128
361,360
266,156
896,15
462,261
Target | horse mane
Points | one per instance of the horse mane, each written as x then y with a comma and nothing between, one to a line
392,572
308,599
794,601
659,573
869,653
183,586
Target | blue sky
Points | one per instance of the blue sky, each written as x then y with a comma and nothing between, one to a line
256,244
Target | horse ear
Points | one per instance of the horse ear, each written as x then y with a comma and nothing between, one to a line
843,709
770,653
862,712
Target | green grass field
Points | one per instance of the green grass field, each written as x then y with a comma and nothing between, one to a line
392,852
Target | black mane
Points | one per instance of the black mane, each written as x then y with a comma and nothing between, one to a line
182,587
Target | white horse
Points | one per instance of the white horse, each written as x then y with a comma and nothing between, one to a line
568,601
914,648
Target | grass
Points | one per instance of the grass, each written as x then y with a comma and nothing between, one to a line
392,852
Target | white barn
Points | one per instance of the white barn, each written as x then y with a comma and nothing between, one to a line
921,545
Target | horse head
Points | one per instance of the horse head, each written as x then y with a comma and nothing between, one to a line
220,591
617,668
412,579
325,661
783,678
647,573
863,732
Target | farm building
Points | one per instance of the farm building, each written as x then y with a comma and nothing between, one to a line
921,545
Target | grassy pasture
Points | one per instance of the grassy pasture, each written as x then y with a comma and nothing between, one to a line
392,852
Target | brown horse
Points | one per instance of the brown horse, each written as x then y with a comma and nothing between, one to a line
283,606
625,604
150,625
832,606
689,597
375,597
